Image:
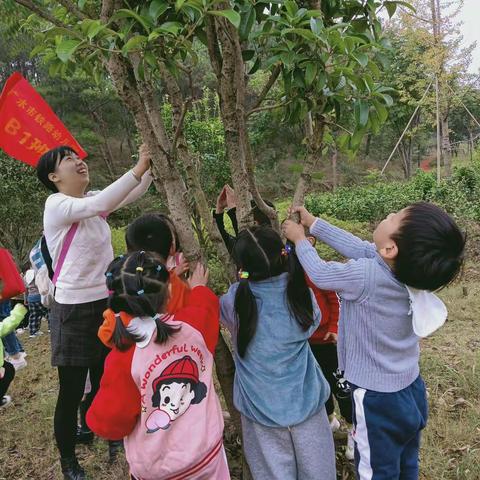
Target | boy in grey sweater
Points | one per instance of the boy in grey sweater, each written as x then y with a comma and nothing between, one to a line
387,305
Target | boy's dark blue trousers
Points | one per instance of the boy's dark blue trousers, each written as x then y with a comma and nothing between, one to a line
387,429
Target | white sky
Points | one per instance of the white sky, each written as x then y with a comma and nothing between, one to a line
470,16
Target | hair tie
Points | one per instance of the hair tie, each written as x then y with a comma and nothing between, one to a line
243,275
111,292
284,252
121,256
109,274
141,292
288,248
139,269
159,268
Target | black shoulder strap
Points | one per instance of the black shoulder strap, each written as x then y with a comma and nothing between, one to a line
46,256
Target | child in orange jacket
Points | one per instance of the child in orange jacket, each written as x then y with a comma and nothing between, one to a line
154,233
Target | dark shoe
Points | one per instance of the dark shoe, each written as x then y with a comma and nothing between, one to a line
84,437
71,469
114,447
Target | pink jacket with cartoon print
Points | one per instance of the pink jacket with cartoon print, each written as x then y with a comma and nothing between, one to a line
161,398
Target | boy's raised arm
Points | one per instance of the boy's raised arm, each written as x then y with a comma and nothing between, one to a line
349,279
342,241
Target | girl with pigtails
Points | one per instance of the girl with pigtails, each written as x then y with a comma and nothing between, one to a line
157,389
279,388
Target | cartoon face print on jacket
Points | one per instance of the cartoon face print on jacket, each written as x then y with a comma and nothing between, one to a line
174,390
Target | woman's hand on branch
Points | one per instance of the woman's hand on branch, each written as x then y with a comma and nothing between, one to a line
144,161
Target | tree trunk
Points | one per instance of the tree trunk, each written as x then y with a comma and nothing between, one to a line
446,150
334,169
314,154
231,90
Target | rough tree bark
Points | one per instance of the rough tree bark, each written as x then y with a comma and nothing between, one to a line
315,131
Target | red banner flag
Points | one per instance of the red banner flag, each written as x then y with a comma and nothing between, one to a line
28,126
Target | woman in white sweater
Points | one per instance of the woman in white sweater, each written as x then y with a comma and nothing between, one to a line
79,242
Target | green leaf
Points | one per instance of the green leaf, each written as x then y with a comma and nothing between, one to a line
170,27
387,99
256,66
125,13
357,138
134,42
310,73
157,8
151,59
361,58
391,8
179,4
81,4
291,7
94,28
248,55
361,112
342,140
381,111
66,48
246,24
231,15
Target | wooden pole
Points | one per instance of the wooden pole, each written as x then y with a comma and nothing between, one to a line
406,128
439,152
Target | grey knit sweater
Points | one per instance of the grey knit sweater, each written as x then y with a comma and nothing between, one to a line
377,346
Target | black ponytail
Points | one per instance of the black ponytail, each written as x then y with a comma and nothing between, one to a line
260,253
138,286
247,314
298,294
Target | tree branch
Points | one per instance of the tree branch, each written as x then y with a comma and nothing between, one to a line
179,129
212,44
41,13
267,107
266,88
72,8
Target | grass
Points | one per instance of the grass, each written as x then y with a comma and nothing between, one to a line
451,442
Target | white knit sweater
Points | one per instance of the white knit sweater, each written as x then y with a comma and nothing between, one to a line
82,277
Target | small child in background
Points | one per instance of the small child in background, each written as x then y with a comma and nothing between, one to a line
34,302
387,305
279,388
152,232
7,370
157,390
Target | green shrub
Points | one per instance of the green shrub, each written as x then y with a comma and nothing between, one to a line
118,241
459,195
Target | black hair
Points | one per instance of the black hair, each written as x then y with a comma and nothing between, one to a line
173,229
138,285
150,232
430,248
48,163
260,217
199,389
260,252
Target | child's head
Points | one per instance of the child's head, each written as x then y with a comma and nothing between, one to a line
423,245
259,217
260,254
151,232
138,286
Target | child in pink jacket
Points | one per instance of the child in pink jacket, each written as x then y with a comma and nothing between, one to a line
157,391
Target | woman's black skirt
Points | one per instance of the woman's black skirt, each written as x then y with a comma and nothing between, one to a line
74,334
